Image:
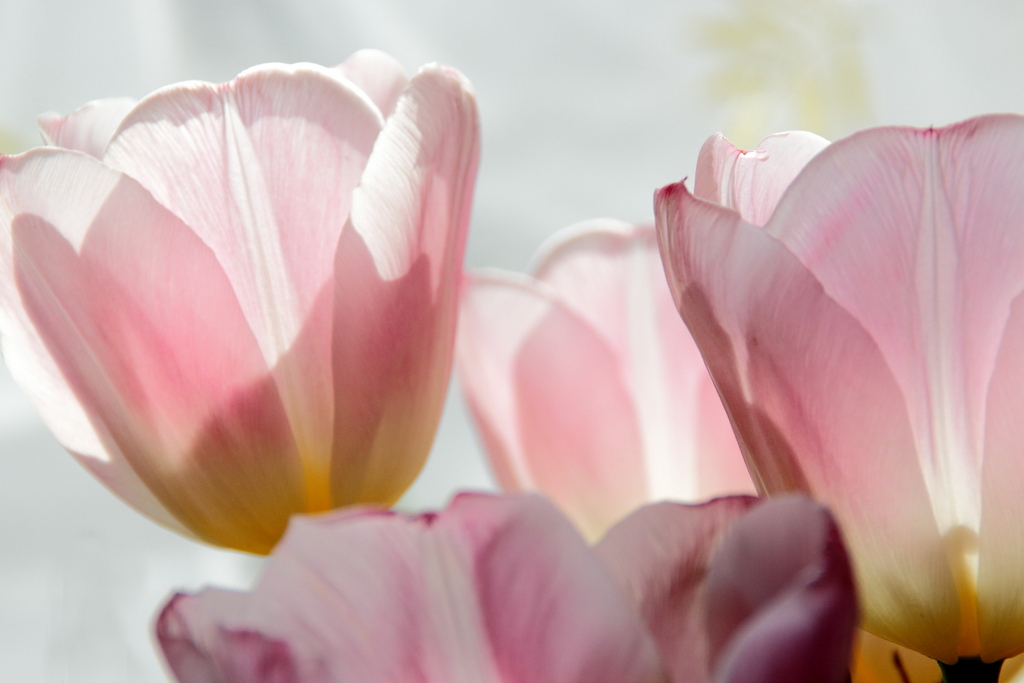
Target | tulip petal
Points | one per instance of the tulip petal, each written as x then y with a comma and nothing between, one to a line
1000,589
917,234
567,418
249,656
140,319
660,555
492,590
591,266
721,469
377,74
397,271
26,355
753,182
415,195
610,273
498,311
779,349
780,600
87,129
263,169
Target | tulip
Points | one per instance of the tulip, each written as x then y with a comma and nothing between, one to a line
585,384
245,308
867,342
504,590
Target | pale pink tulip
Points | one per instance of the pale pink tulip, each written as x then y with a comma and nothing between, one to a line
504,590
586,385
868,343
246,307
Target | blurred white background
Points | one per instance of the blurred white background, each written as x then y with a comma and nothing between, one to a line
587,107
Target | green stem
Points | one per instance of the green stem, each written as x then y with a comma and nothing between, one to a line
971,670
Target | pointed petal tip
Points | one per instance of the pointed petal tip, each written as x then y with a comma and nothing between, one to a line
667,201
671,191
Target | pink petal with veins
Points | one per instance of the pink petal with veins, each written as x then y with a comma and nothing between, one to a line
778,347
491,590
398,267
917,234
138,316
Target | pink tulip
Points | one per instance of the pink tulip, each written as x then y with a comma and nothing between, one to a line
586,385
868,343
246,307
504,590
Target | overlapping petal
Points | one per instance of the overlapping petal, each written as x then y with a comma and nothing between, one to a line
262,168
894,264
144,327
489,590
740,590
942,228
780,598
25,351
398,268
778,377
549,394
586,385
660,555
503,590
611,274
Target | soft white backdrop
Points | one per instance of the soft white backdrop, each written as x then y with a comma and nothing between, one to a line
587,106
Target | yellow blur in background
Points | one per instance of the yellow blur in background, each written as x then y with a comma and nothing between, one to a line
788,64
11,143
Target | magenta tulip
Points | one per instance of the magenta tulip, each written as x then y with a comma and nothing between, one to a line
585,384
504,590
245,307
868,343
